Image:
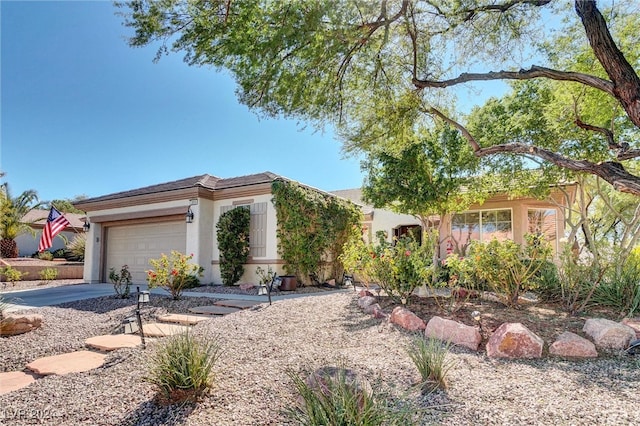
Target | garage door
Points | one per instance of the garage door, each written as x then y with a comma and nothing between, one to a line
134,245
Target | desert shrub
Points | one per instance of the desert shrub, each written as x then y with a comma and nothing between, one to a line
182,367
620,289
430,356
233,242
400,269
12,275
45,255
75,248
59,254
508,268
572,283
339,402
48,274
121,281
173,273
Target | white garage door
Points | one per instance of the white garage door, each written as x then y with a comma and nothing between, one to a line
134,245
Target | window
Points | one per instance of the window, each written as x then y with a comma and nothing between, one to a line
483,225
257,227
543,221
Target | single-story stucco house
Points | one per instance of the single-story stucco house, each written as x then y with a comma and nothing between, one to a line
131,227
36,219
501,217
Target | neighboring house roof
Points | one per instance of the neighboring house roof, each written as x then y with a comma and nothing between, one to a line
354,195
38,217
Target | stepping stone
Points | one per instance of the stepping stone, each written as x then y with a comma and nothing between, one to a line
14,380
240,304
72,362
183,319
111,342
159,329
213,310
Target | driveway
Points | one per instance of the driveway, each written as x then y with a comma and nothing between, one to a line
38,297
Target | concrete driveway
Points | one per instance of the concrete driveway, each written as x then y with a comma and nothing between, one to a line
38,297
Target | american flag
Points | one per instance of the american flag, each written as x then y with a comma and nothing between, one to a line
55,223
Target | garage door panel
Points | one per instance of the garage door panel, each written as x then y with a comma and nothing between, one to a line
134,245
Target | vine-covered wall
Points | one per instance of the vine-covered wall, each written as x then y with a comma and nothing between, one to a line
312,228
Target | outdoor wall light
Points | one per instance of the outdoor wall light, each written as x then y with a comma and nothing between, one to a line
189,215
86,225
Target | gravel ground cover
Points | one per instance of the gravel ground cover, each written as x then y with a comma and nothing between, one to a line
261,345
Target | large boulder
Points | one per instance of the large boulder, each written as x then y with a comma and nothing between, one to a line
514,340
406,319
607,334
571,345
13,324
633,323
454,332
365,301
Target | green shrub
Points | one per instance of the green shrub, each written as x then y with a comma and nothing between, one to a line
48,274
59,254
340,402
121,281
12,275
173,273
572,283
508,268
233,242
75,249
430,356
620,290
45,255
182,367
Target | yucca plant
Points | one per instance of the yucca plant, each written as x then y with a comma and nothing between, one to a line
76,247
430,356
340,402
12,210
182,367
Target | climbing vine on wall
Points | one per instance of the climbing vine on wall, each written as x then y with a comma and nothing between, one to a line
233,242
312,228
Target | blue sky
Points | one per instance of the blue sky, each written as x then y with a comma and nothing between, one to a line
83,113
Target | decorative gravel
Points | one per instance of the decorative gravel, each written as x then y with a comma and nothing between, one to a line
260,345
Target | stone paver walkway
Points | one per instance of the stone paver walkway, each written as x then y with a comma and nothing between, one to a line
184,319
72,362
240,304
160,329
14,380
213,310
111,342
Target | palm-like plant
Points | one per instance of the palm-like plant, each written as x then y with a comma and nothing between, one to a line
12,210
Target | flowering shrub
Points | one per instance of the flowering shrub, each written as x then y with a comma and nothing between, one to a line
174,273
121,281
507,267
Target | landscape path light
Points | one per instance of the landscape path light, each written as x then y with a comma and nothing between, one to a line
143,297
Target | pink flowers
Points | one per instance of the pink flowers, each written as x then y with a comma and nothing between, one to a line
407,253
174,272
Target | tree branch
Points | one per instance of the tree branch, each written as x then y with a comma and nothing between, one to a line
533,72
626,83
612,172
468,136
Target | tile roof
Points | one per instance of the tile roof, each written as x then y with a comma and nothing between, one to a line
39,217
205,181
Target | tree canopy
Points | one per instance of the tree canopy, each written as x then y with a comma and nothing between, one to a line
380,71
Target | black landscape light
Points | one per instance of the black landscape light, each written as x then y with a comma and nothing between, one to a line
143,297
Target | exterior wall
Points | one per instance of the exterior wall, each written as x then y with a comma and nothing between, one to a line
519,217
386,220
271,257
28,245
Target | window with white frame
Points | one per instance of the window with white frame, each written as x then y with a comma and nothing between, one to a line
257,227
481,225
543,222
